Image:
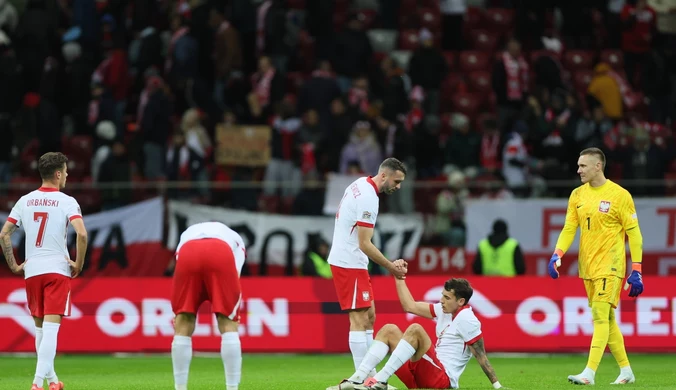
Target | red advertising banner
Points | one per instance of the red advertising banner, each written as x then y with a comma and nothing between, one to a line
528,314
435,260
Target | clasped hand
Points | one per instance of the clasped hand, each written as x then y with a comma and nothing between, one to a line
399,268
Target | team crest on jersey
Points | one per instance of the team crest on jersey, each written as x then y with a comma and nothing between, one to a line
366,215
365,296
604,206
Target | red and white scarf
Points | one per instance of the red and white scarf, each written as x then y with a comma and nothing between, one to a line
358,98
262,86
517,76
170,50
490,143
260,26
629,97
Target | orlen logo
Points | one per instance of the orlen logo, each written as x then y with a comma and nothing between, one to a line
16,309
479,302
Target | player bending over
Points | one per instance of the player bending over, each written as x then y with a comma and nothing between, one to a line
352,248
415,360
605,212
45,214
209,260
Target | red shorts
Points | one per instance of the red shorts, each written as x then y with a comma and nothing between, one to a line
48,294
426,373
353,287
205,271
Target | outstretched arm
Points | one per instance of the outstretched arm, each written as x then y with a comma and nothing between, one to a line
480,354
7,250
409,304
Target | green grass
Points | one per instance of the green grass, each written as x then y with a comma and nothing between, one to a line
316,372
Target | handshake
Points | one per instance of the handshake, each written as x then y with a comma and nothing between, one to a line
398,268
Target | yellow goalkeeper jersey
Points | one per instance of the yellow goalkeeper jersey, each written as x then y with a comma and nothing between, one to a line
604,214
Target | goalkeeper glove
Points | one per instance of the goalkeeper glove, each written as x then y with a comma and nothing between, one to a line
636,281
554,264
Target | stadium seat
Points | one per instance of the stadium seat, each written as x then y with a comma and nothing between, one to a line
79,146
614,58
483,40
474,60
296,4
475,17
500,19
408,40
383,41
479,81
578,59
467,104
452,85
367,17
581,80
430,18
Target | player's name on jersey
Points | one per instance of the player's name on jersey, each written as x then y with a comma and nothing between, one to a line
42,203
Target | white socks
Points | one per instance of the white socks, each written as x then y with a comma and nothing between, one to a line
373,357
181,355
403,353
358,347
231,353
369,342
51,377
588,373
45,344
626,370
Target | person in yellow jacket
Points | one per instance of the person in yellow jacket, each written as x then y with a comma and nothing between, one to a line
314,263
498,254
606,90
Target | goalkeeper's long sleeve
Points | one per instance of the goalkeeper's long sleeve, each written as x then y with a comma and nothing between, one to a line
636,247
566,237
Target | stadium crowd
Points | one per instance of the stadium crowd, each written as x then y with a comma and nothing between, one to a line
463,91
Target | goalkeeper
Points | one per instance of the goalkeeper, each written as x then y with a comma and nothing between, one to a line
605,212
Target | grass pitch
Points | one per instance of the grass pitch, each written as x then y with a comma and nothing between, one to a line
316,372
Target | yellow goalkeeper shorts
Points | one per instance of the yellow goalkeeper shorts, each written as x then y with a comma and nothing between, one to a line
604,290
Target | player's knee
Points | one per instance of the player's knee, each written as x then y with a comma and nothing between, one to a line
359,320
184,324
388,331
600,312
225,324
414,330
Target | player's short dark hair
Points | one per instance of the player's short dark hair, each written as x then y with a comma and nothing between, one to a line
50,163
461,288
394,165
595,152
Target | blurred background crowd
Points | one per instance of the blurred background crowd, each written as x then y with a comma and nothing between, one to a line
479,98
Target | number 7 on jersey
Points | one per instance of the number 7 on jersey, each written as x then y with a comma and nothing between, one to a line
42,218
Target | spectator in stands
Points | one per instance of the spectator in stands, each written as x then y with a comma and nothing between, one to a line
199,143
105,137
9,18
399,142
314,262
490,154
359,96
35,36
283,173
547,68
145,52
50,121
319,91
78,72
184,164
116,169
453,19
340,127
510,82
591,129
666,19
181,65
530,21
644,160
395,88
267,90
352,52
656,80
428,69
155,128
640,25
113,73
518,167
605,88
363,147
499,254
276,36
311,136
463,148
227,53
450,206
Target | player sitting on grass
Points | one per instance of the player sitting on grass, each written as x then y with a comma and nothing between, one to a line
415,360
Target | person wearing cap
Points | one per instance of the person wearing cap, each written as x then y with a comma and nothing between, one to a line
498,254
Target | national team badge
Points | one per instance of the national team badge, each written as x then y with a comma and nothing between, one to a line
604,206
365,296
366,215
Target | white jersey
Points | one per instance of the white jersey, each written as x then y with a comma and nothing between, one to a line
219,231
45,214
453,336
359,207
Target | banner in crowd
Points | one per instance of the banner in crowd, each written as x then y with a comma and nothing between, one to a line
243,145
126,241
277,242
335,188
302,315
536,224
